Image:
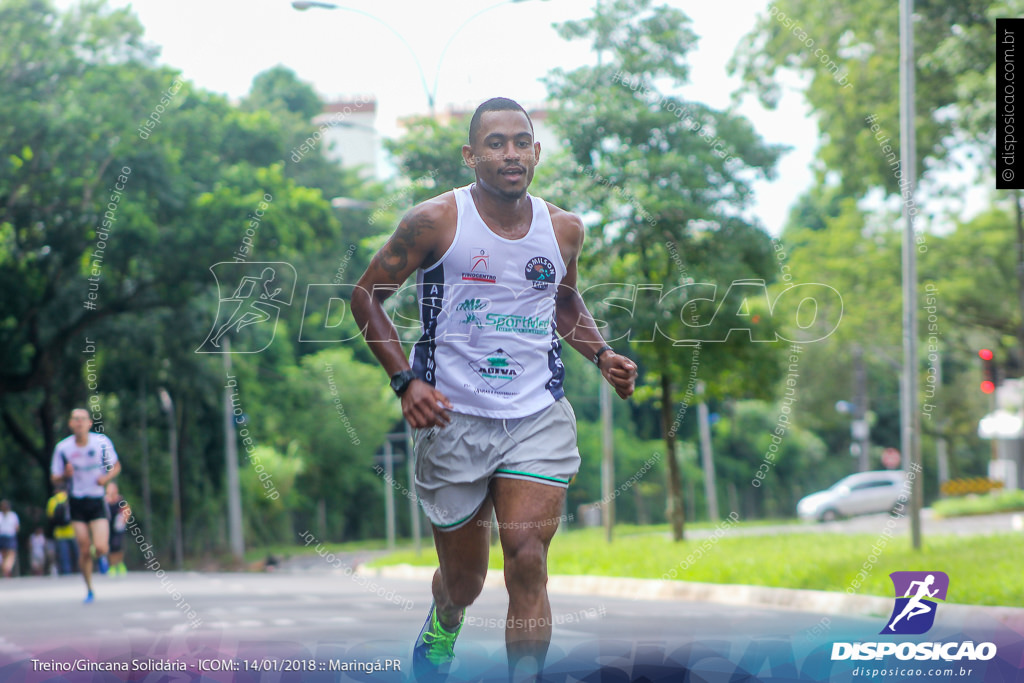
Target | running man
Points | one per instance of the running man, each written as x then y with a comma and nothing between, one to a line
87,461
915,605
482,387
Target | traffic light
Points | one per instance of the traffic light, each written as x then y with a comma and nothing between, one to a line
988,371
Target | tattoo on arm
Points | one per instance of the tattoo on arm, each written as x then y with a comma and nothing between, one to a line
393,259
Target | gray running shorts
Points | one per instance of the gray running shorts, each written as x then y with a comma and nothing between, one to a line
455,463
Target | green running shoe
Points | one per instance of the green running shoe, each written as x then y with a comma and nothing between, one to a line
434,650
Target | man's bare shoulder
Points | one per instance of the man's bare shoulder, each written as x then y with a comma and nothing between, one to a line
438,212
568,227
429,227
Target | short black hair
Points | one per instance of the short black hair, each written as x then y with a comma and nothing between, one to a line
494,104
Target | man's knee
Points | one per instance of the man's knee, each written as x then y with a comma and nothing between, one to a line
463,587
526,563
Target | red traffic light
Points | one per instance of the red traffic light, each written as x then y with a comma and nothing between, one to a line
985,354
987,387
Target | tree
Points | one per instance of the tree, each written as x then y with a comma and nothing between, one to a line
429,155
121,180
667,181
850,53
279,88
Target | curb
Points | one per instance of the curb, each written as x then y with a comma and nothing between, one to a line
825,602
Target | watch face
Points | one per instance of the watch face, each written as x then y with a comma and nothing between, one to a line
400,381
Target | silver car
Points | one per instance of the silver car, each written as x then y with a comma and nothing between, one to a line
858,494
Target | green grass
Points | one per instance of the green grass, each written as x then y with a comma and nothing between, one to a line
1005,501
980,567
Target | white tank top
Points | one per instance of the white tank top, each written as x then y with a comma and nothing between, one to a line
487,310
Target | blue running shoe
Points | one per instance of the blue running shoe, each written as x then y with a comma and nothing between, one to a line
434,650
89,599
104,564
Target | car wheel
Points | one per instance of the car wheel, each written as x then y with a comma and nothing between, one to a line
829,515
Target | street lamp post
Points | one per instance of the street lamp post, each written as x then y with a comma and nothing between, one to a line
172,428
431,92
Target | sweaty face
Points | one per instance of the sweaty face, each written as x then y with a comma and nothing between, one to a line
504,153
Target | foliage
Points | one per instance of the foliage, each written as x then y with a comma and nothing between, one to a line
1002,501
667,202
850,54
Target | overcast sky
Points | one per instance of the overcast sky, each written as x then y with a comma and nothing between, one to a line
505,50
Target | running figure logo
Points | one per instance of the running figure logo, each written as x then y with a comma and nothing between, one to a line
249,315
916,593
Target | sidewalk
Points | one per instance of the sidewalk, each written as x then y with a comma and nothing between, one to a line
824,602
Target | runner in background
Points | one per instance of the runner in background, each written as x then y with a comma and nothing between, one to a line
9,525
119,515
58,516
89,462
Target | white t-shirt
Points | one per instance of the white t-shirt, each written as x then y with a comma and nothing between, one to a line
90,462
8,523
37,546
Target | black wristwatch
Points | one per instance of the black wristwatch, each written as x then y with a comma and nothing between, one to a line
400,381
600,352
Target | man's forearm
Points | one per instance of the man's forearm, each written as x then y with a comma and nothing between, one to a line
577,326
379,332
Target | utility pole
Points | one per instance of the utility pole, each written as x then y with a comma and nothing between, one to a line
909,417
389,492
172,430
860,430
706,457
607,462
414,508
234,496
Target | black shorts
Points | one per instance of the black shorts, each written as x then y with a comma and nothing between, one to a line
88,509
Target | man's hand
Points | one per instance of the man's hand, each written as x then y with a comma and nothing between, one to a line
420,406
620,373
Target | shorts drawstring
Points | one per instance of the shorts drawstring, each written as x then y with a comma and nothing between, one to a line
504,423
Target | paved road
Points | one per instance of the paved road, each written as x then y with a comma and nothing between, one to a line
330,618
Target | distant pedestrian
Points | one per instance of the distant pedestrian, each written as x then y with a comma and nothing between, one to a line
9,525
58,516
119,514
37,551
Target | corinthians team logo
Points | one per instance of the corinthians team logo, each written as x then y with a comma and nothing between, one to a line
540,271
916,593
